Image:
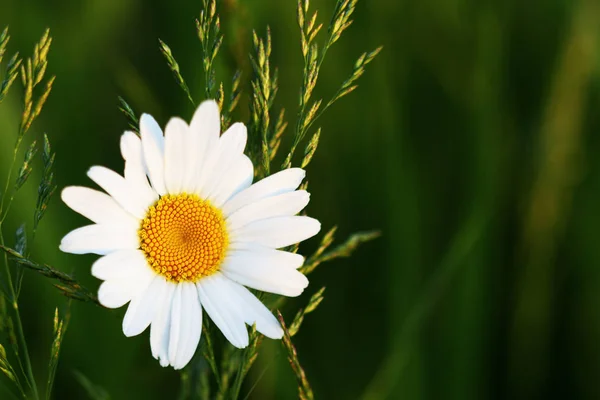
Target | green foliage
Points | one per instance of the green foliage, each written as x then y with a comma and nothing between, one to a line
343,250
26,168
313,303
67,285
12,68
132,120
61,321
264,90
174,67
33,71
310,110
47,187
234,99
208,27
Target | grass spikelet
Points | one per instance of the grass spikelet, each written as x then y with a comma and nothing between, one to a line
343,250
60,323
304,389
132,120
312,305
47,187
26,168
264,90
208,27
174,67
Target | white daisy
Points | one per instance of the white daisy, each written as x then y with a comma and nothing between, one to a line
185,229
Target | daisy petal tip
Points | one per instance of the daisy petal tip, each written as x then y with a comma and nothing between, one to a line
209,104
313,227
163,362
128,332
66,193
276,333
146,118
63,247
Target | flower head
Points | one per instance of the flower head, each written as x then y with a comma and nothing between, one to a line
185,229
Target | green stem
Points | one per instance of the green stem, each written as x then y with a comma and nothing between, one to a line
6,185
11,289
19,326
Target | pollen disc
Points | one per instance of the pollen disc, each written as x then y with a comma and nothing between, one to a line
183,237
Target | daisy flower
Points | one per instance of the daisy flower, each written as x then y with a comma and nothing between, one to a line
185,230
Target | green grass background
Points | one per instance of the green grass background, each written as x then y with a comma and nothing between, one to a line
472,143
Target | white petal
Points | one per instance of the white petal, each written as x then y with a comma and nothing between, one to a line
237,178
153,147
144,307
277,232
255,311
160,327
115,293
204,136
262,273
231,145
186,324
264,255
134,201
99,239
281,182
225,313
135,173
175,153
177,319
286,204
96,206
120,264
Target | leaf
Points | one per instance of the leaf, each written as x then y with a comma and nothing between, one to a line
94,392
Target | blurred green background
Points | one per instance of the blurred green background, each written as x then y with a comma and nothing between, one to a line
472,143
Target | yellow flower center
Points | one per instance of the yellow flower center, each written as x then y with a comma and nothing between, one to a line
183,237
